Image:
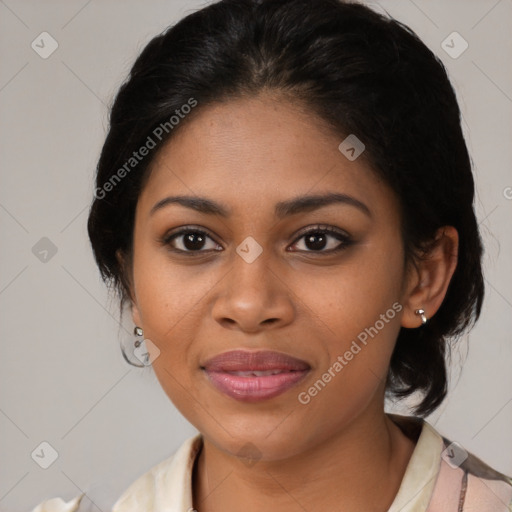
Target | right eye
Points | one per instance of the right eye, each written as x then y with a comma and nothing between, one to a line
189,240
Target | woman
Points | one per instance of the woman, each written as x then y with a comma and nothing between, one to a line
284,202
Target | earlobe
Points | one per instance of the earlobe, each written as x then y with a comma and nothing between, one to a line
135,314
431,279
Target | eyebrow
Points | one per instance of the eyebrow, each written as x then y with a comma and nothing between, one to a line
282,209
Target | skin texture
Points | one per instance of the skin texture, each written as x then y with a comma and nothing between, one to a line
340,448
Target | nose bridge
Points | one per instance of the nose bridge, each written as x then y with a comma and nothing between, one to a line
250,267
250,271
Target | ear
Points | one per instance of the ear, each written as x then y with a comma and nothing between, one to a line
430,276
128,285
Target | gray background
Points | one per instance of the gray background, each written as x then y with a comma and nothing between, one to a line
62,377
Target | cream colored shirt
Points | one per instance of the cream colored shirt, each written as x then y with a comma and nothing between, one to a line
440,477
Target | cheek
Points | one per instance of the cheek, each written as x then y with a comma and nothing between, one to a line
169,296
169,305
357,309
359,343
346,299
357,329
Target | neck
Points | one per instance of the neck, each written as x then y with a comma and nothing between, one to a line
359,468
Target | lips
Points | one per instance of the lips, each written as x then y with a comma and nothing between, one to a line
254,376
263,360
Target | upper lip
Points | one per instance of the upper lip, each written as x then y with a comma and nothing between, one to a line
242,360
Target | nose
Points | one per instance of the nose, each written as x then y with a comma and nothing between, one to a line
254,296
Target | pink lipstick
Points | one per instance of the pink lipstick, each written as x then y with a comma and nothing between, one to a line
254,376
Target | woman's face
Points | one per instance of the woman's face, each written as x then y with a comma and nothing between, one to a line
258,282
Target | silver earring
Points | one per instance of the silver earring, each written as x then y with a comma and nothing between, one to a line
138,332
136,344
421,313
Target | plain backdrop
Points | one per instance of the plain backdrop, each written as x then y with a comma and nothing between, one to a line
62,378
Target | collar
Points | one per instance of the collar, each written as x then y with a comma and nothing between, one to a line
422,470
167,487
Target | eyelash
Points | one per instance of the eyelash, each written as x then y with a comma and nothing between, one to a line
345,239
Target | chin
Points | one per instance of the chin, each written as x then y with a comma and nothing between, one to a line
257,439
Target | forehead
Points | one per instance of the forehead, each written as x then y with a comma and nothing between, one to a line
262,149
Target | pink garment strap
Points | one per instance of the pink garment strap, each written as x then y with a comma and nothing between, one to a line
447,490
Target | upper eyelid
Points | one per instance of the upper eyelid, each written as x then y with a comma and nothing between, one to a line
321,227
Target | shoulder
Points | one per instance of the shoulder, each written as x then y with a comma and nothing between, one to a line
145,493
468,483
442,475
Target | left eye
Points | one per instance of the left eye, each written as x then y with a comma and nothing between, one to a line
316,240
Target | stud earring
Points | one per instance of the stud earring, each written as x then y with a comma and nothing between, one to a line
138,332
421,314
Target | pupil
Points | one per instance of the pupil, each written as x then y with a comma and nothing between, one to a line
312,241
194,241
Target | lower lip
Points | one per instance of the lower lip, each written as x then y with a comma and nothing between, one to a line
255,389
